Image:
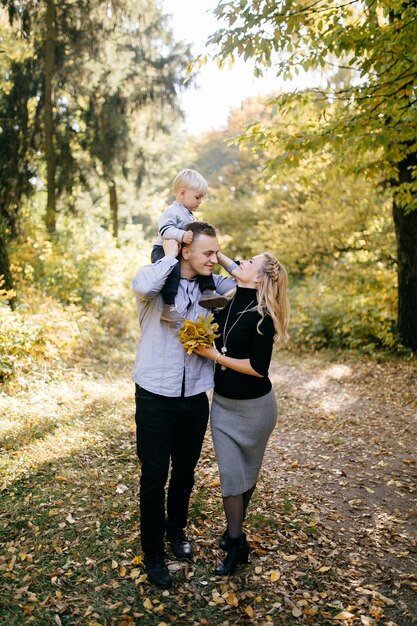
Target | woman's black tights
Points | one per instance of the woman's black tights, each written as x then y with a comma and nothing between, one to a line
235,508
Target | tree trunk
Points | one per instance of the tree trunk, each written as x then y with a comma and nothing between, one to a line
114,209
406,232
6,280
50,218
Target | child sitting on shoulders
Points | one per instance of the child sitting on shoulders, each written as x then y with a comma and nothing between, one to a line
189,188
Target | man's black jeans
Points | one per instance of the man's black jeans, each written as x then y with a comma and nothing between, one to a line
167,430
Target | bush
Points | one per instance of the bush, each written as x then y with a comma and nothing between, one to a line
350,307
73,296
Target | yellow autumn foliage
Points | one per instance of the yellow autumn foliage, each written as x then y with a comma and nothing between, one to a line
200,333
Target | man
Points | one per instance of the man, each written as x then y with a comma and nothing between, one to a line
171,401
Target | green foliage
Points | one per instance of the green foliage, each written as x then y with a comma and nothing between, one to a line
368,54
73,294
331,229
345,306
17,341
116,73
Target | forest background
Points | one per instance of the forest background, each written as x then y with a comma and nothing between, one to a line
91,137
323,178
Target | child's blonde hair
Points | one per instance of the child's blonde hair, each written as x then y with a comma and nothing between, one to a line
189,179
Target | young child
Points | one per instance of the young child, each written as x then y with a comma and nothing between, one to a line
189,188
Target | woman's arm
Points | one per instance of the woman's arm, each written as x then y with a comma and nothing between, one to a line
224,260
228,263
238,365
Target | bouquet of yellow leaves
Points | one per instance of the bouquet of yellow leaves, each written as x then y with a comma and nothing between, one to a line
200,333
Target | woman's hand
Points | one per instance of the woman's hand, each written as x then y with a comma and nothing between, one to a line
208,353
238,365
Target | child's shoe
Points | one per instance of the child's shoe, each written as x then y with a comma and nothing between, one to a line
171,314
212,300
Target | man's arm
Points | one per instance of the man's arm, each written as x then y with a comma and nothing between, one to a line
150,279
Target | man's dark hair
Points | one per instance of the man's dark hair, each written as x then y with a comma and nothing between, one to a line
201,228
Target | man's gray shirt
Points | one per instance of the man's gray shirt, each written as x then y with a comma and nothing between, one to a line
162,365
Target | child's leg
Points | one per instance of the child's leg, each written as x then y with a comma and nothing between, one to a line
170,313
157,253
209,298
206,282
169,290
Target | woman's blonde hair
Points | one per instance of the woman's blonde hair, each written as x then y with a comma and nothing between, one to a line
272,297
189,179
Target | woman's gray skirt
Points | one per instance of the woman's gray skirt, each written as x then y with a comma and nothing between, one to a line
240,430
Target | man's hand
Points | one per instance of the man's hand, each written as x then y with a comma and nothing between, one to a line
187,236
171,247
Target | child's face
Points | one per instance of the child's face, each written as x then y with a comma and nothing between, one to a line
190,198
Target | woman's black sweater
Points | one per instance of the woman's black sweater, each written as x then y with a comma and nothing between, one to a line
244,342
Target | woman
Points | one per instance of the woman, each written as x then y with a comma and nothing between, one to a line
244,409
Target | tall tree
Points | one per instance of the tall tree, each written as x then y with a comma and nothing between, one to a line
374,112
100,66
120,114
19,119
50,156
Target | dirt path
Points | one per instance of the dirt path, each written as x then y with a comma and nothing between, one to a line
345,445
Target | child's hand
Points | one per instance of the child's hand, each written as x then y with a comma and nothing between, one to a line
188,236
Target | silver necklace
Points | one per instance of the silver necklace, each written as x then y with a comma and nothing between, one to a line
226,332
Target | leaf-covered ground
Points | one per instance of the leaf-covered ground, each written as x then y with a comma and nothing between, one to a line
332,526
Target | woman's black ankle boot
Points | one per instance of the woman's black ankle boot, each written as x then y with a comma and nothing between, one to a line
237,553
224,540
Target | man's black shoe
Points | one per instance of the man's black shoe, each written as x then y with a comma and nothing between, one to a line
157,571
181,545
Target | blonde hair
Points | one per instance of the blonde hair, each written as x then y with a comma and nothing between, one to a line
189,179
272,297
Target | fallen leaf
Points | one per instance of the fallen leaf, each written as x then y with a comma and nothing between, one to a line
343,615
231,599
138,560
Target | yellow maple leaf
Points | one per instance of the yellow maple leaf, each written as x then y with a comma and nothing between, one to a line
201,332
